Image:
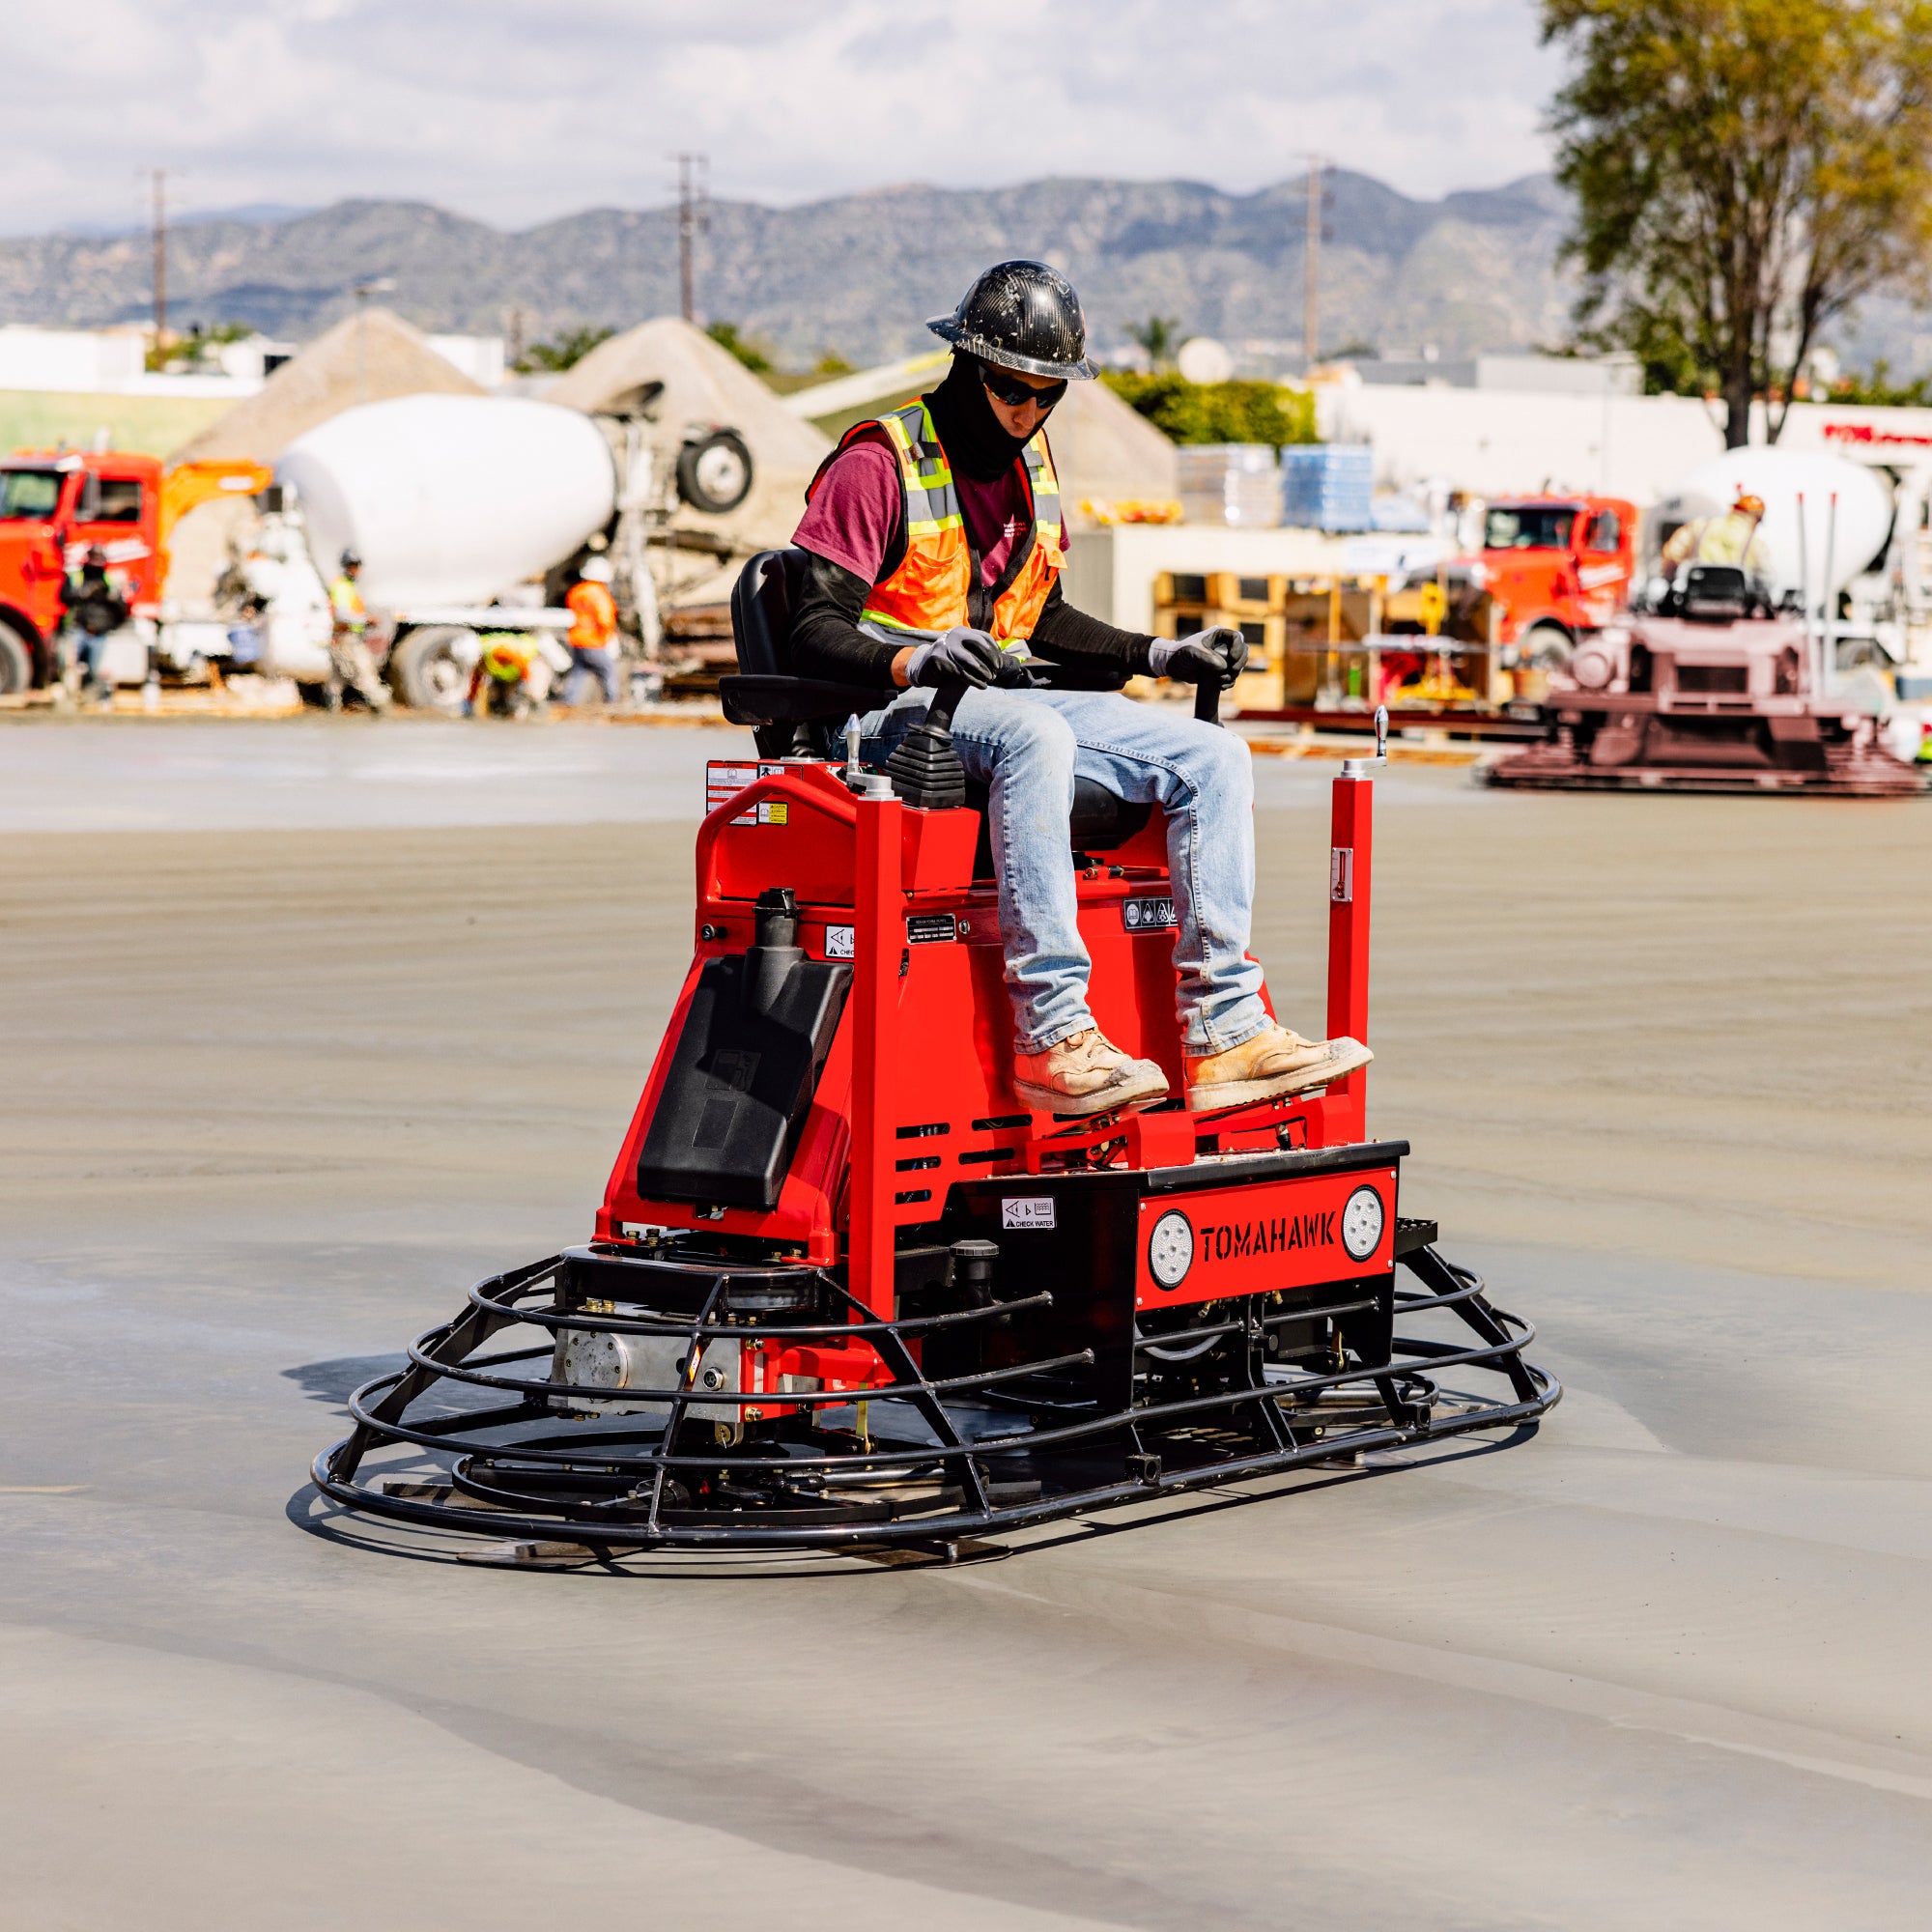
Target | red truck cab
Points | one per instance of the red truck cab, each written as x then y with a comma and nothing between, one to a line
54,507
1560,564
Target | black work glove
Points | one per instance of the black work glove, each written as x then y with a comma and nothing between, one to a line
961,653
1216,656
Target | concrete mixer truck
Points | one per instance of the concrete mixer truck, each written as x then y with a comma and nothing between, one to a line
460,506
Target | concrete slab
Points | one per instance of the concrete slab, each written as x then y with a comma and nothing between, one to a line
277,1096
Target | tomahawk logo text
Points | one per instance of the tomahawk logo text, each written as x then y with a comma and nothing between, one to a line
1238,1238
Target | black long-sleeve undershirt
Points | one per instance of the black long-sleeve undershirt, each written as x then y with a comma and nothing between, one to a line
826,640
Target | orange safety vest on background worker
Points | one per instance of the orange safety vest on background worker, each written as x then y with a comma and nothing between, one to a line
931,589
595,610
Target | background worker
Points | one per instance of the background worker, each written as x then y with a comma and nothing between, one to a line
511,677
91,608
1732,539
351,660
593,633
935,545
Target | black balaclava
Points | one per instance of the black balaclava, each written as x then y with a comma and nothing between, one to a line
970,433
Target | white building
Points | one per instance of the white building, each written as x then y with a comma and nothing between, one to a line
113,363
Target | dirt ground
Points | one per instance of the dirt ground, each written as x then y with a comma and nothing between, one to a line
274,1098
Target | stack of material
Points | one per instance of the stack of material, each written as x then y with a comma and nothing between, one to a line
708,386
1114,466
1328,486
1236,483
365,359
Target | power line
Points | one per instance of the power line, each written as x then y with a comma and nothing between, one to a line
1311,315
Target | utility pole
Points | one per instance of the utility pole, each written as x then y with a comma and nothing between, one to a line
1311,314
693,218
160,260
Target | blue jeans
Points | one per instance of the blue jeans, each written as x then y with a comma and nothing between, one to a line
585,665
1027,748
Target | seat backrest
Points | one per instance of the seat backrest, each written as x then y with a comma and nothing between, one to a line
762,603
1714,593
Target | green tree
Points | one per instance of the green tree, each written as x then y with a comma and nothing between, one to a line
1744,171
1877,387
830,363
728,335
1217,412
565,350
1160,335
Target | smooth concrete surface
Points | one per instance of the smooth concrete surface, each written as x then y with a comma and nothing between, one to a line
273,1098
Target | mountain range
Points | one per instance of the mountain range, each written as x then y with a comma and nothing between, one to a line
859,274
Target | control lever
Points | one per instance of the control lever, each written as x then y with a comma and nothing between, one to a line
1364,768
1208,702
924,768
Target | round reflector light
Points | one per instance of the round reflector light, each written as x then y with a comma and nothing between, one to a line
1362,1221
1171,1249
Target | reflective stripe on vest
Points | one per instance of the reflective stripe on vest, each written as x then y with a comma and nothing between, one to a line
931,589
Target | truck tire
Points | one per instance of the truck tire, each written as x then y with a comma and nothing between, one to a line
17,661
1546,646
714,472
429,671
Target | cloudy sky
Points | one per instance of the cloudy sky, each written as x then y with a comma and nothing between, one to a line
514,111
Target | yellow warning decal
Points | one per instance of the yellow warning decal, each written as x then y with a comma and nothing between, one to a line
773,812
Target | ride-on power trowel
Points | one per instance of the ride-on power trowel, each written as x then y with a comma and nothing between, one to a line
845,1291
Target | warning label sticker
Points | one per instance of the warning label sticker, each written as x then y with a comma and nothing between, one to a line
838,942
723,781
1027,1212
1149,915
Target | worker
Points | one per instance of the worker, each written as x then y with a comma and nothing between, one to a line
91,608
1730,539
935,549
351,660
594,632
510,677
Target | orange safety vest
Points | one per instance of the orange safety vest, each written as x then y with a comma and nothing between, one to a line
596,612
931,589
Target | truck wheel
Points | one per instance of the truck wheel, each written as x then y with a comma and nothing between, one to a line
430,668
17,661
1546,646
714,472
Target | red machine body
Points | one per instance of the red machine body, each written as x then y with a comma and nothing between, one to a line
916,1095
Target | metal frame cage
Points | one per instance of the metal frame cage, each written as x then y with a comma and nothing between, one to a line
924,1459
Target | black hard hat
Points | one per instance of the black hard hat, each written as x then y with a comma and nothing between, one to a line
1021,315
352,559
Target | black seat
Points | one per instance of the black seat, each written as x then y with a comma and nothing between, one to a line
781,709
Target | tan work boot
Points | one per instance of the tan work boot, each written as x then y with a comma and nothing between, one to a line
1273,1062
1085,1074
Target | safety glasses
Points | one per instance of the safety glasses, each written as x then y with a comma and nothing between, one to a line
1015,390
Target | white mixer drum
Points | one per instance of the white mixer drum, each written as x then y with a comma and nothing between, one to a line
451,500
1781,476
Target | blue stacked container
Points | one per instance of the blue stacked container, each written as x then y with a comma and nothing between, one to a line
1328,486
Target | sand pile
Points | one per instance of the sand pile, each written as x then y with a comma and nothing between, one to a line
705,383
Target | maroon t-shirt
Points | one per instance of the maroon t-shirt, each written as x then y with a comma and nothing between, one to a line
854,515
